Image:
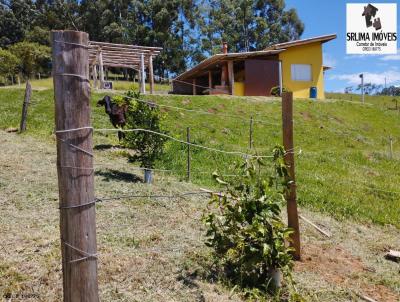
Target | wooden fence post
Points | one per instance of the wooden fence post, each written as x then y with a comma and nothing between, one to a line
251,133
27,99
287,132
188,153
391,146
75,166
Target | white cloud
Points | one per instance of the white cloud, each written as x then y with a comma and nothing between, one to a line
395,57
391,76
329,60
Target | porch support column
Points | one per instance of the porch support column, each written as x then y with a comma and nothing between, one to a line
142,76
194,86
151,74
231,77
101,69
94,70
280,77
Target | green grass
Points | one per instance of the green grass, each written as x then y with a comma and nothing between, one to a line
344,168
47,83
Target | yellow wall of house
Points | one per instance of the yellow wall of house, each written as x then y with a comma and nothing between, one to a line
238,89
304,54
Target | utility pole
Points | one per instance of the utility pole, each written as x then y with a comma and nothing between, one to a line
362,87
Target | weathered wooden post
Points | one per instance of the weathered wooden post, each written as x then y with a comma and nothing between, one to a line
94,73
391,146
188,153
142,75
27,99
75,165
101,68
287,132
151,74
251,133
194,91
231,76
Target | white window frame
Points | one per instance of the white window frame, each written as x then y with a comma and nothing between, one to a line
301,72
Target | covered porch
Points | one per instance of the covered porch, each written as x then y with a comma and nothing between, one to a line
243,74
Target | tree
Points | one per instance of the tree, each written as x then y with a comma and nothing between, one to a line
33,57
391,90
11,30
248,25
53,15
187,30
38,35
8,63
165,24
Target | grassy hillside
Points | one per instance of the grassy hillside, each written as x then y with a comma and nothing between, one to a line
343,167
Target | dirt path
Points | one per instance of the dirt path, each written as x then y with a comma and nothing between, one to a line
146,245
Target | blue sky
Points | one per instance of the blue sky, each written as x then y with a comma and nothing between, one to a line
329,16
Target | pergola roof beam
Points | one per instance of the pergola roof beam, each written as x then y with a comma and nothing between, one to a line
109,56
125,46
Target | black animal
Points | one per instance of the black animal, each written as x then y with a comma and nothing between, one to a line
116,113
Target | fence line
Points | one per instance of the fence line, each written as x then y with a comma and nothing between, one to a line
157,133
150,196
194,110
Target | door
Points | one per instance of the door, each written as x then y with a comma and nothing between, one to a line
260,77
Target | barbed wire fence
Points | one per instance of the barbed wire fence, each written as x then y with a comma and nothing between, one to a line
75,157
75,163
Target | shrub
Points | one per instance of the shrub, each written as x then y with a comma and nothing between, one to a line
148,145
245,229
8,63
33,57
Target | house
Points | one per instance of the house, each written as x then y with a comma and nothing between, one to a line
296,66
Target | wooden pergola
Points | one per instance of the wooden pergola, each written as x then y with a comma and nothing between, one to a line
135,57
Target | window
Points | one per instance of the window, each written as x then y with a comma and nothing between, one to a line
301,72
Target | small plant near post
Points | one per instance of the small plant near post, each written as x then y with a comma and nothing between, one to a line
245,229
148,145
276,91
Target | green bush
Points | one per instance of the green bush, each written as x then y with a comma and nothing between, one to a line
8,63
33,57
245,228
148,146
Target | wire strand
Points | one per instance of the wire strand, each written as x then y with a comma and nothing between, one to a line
71,43
196,110
86,254
185,142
